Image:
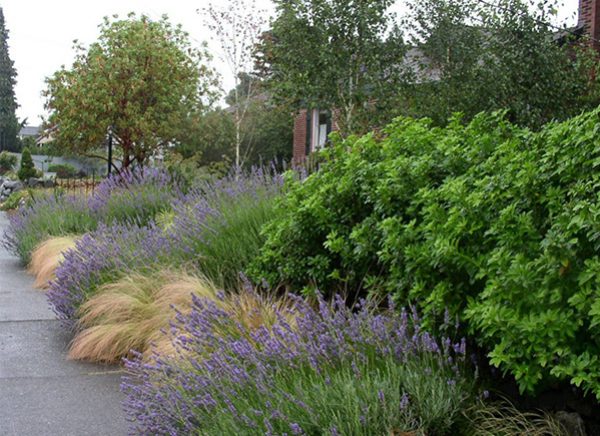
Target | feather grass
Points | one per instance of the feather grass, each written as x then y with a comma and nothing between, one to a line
504,419
46,257
131,313
135,313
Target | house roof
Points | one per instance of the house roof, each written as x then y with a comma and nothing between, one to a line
30,131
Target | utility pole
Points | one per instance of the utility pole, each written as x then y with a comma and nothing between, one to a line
110,144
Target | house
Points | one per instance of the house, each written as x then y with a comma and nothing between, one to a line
29,132
311,127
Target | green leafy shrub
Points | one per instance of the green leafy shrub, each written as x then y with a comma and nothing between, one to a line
27,169
499,224
14,200
7,162
63,171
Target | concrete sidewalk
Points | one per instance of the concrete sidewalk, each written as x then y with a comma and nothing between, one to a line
42,393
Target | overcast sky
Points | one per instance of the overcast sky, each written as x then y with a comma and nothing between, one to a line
42,34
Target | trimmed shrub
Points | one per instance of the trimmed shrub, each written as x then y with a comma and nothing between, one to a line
497,223
333,371
27,169
63,171
8,161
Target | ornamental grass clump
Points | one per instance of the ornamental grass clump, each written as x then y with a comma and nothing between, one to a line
332,371
134,314
131,314
47,257
503,419
104,256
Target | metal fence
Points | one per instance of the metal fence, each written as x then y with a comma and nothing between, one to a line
81,185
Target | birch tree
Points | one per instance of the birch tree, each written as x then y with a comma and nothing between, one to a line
236,27
334,54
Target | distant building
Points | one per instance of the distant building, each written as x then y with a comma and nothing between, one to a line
30,132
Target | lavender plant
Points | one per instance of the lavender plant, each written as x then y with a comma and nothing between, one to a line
134,195
330,371
131,196
101,256
218,224
216,228
49,215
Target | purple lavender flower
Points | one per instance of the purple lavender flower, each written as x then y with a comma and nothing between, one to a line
113,249
404,401
326,338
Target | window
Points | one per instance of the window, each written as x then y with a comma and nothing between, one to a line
319,127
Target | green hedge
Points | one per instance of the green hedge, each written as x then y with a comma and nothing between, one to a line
63,171
497,223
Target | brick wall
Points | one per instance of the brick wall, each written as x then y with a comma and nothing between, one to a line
299,137
589,17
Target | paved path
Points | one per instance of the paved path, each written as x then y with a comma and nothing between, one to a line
42,393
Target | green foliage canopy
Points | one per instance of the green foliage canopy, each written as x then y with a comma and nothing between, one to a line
141,79
63,171
7,162
265,135
494,222
496,55
9,125
334,54
441,57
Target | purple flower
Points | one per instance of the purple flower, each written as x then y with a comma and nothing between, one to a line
404,401
295,428
326,338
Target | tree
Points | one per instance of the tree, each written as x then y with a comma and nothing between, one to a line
334,54
141,79
237,28
209,137
266,135
27,169
9,125
496,55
